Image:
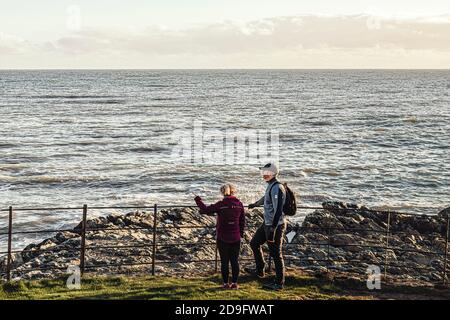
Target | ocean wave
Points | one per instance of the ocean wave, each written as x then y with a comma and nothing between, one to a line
304,173
332,173
7,179
145,149
411,120
12,166
227,87
311,170
95,102
165,106
294,173
5,145
407,207
52,96
315,198
360,167
386,91
286,137
156,86
164,99
320,123
278,97
214,96
86,143
26,157
45,179
68,155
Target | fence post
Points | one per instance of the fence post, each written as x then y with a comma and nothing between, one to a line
83,240
386,248
328,248
155,211
446,251
269,268
9,259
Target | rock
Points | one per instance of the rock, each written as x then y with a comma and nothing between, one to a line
290,236
444,214
439,245
60,237
411,239
349,222
16,260
321,221
342,233
420,259
317,254
368,257
342,240
423,225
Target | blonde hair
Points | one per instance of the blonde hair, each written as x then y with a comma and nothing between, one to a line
228,189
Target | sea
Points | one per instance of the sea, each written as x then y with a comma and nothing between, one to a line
112,138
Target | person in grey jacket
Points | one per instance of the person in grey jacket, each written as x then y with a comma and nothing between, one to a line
273,229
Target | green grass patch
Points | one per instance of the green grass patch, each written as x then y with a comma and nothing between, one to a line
298,287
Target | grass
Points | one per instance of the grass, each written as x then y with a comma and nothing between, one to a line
299,287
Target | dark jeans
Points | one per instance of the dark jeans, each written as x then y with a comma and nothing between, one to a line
229,254
275,250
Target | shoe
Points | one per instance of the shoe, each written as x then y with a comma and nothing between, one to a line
234,286
273,287
225,286
254,272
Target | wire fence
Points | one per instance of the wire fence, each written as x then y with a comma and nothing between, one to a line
156,242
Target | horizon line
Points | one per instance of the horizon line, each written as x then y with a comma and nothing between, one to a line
222,69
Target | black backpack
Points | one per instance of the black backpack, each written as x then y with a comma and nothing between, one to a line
290,205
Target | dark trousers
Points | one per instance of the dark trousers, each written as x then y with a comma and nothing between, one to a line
275,250
229,254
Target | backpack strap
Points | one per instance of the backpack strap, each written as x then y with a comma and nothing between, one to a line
270,190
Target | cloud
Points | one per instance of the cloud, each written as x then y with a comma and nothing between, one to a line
10,44
283,33
271,42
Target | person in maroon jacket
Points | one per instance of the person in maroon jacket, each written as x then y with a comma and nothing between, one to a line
230,229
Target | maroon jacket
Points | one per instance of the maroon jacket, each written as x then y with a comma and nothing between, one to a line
230,217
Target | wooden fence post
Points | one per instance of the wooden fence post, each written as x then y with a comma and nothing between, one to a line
446,251
328,247
9,258
83,240
155,224
386,248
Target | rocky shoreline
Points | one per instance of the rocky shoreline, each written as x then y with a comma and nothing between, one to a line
342,238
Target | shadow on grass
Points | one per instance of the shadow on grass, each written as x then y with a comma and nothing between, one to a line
171,292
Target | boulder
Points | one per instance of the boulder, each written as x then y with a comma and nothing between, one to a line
444,214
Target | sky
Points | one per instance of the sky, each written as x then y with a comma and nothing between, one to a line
173,34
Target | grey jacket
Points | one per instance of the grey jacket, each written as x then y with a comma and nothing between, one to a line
273,202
